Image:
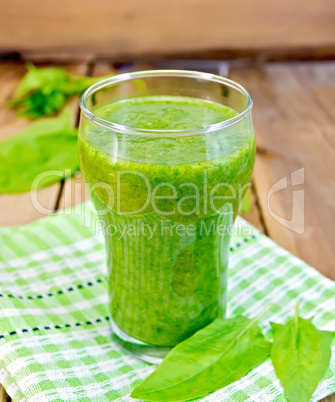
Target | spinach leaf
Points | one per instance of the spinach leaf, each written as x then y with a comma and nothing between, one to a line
212,358
44,91
39,104
47,145
37,78
300,355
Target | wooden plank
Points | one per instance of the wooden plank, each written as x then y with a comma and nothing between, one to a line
73,193
294,122
19,208
254,216
152,27
3,395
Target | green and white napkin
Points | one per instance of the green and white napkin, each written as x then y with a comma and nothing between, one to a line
55,340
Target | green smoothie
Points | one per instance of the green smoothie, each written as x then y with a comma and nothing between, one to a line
166,203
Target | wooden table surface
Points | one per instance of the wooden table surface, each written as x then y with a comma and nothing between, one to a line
294,116
118,28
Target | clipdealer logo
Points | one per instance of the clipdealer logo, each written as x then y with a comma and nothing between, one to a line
296,222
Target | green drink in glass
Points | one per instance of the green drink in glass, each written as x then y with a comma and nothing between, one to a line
168,156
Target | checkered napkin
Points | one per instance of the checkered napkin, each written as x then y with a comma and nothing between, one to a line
55,340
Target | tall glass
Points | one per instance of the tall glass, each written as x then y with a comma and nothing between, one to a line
168,156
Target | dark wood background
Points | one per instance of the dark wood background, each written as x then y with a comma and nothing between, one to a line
117,28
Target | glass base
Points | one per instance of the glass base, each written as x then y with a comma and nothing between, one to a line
148,353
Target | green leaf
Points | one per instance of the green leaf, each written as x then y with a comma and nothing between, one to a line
300,355
48,78
212,358
39,104
44,91
47,145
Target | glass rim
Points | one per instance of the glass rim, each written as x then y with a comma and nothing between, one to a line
123,129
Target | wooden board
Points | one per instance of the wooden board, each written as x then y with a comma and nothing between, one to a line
254,216
74,192
20,208
3,395
294,121
131,27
